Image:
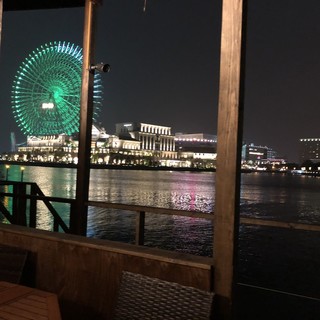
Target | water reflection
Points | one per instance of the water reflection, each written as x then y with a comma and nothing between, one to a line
267,256
277,196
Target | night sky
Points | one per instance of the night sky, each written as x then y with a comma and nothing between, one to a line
165,65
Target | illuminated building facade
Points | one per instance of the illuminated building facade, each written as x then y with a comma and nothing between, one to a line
155,138
198,148
196,142
252,153
260,156
309,149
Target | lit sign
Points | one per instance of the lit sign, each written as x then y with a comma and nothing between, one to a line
47,105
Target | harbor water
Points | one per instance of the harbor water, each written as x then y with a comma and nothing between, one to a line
281,259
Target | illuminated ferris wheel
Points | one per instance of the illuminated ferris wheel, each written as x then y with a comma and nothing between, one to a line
46,90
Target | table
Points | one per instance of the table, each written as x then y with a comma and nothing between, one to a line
19,303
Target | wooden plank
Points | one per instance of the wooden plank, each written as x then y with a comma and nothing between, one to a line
147,209
4,285
4,315
23,305
226,216
13,293
280,224
28,303
22,313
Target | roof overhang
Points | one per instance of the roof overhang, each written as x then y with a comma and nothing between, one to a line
12,5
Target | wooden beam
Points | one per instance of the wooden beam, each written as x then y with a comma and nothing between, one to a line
280,224
140,227
1,15
78,220
226,217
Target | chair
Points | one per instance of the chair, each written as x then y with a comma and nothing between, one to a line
12,261
142,297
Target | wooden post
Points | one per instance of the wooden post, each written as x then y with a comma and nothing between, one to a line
78,218
140,223
1,15
19,204
226,213
33,207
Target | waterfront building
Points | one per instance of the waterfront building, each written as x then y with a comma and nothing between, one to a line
309,149
196,149
137,143
98,133
140,144
113,150
42,148
253,154
153,138
262,158
56,148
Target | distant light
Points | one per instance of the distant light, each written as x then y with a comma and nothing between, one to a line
47,105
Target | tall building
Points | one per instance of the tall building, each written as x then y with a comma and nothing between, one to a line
309,149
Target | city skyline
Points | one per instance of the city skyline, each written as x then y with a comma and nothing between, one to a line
177,136
165,65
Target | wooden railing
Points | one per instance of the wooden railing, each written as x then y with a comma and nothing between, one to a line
25,213
23,191
141,212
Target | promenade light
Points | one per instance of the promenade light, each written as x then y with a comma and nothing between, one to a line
22,171
7,171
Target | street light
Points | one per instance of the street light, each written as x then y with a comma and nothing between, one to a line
22,171
7,171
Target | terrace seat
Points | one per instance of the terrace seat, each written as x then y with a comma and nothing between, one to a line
142,297
12,262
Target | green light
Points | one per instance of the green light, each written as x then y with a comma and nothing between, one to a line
51,76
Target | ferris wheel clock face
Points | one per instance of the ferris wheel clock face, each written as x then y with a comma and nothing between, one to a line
46,90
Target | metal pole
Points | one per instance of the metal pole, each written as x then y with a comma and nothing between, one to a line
226,213
78,217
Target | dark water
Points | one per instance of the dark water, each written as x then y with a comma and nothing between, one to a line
281,259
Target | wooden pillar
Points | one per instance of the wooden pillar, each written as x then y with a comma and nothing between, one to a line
19,204
1,15
226,213
140,225
33,207
78,218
